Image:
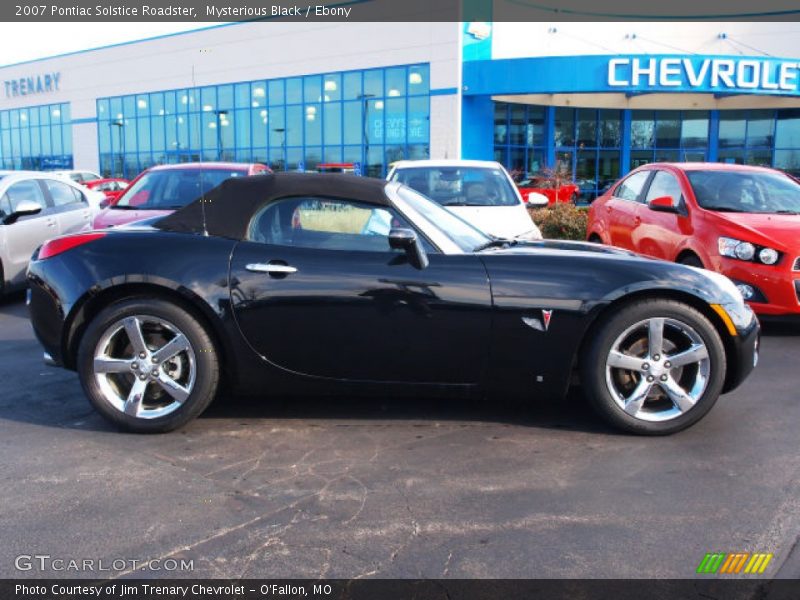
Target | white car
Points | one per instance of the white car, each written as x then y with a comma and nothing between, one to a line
96,198
35,207
480,192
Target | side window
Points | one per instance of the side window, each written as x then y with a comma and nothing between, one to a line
61,192
631,187
26,190
326,224
665,184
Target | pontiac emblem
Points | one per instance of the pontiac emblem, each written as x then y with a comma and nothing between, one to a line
546,314
535,323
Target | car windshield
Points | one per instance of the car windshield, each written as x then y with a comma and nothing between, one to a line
460,186
171,189
463,235
746,191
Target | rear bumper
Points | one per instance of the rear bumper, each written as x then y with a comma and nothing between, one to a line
743,353
47,318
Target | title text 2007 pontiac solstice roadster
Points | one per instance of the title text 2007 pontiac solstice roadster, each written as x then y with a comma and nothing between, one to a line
310,283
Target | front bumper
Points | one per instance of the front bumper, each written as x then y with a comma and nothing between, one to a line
743,352
778,285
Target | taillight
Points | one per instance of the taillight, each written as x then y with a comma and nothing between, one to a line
56,246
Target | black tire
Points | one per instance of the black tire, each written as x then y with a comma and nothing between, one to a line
594,361
595,239
205,356
691,260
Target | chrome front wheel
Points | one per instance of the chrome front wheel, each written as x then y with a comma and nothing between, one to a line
653,366
657,369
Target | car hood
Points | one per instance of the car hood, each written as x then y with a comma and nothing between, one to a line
113,217
536,247
773,230
498,221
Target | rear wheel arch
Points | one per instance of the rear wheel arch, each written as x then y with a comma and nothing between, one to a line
657,294
91,307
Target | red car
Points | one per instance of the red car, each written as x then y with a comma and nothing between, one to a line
554,189
160,190
741,221
111,187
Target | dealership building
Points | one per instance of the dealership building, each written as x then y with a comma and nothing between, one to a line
585,101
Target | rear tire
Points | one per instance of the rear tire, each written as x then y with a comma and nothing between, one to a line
148,365
652,383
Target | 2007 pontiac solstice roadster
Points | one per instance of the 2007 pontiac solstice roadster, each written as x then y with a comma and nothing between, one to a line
310,283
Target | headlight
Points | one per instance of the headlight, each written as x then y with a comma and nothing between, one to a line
733,248
768,256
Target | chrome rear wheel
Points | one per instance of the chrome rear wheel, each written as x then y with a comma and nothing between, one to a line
145,366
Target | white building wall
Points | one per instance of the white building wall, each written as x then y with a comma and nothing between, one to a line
244,52
516,40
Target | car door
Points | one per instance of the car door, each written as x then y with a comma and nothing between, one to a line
622,209
26,234
660,233
316,290
70,206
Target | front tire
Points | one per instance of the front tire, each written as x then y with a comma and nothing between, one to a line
654,367
148,365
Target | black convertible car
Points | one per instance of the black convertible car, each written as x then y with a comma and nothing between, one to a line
299,283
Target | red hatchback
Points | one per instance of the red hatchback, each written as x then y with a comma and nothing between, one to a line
160,190
741,221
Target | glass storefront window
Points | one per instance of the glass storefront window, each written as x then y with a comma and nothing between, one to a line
643,128
668,129
610,129
517,126
732,128
587,128
694,129
500,124
36,137
368,116
760,127
787,132
565,127
788,160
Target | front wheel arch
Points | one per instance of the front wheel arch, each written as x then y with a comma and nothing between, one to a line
697,303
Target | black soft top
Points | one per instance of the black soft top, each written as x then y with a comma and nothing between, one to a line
230,206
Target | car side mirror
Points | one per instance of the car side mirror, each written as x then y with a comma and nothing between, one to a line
407,241
25,208
536,200
663,204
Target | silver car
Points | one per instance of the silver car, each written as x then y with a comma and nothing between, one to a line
35,207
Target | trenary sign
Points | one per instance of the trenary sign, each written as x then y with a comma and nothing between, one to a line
34,84
719,75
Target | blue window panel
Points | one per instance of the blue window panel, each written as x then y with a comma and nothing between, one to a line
277,92
419,80
332,87
332,119
395,82
373,83
294,125
225,97
313,124
352,89
312,88
353,123
277,127
294,90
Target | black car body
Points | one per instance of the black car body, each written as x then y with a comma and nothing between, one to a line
301,315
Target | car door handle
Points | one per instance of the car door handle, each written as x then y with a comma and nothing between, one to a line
637,220
50,222
270,268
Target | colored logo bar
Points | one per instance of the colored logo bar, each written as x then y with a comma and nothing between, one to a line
721,563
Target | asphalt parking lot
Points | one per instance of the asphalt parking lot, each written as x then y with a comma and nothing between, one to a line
341,488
